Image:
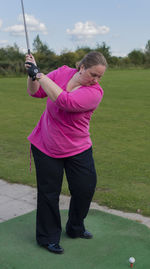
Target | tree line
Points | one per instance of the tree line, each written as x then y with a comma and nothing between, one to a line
12,60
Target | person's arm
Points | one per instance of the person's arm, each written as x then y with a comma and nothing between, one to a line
85,98
50,87
32,86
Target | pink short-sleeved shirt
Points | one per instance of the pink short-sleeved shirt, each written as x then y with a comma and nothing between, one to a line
63,129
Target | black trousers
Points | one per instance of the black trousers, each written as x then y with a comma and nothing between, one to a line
81,177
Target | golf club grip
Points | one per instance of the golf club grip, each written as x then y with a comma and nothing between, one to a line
29,52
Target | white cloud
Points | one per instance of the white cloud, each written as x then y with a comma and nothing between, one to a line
22,50
16,29
33,25
143,48
87,30
3,42
119,54
0,23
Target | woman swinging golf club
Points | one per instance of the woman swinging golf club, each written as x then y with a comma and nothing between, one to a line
61,142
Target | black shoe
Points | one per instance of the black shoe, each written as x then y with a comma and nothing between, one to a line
55,248
86,235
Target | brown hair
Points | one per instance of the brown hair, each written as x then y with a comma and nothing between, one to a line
91,59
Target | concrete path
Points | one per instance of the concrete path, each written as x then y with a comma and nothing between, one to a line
17,199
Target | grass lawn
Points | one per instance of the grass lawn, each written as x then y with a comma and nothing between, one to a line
119,129
115,240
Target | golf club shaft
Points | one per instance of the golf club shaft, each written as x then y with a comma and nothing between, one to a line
25,27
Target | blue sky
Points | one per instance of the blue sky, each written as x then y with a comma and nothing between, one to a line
64,24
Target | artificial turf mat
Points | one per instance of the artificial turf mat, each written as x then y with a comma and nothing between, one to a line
115,240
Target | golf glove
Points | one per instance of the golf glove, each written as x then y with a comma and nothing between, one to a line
32,70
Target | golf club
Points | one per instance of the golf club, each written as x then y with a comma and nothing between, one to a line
25,27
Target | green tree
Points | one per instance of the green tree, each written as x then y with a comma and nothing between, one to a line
136,57
147,47
11,61
147,53
67,58
114,61
105,50
39,46
46,59
11,53
81,51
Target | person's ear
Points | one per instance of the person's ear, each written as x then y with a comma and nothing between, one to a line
81,68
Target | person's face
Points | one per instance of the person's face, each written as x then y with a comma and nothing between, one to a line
92,75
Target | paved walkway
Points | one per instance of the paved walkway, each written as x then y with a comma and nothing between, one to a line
17,199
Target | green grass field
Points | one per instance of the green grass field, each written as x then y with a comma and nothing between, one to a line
115,240
119,129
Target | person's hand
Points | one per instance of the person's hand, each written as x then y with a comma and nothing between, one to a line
30,59
31,67
32,70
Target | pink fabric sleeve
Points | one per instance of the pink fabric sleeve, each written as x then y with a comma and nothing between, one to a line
41,93
80,100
